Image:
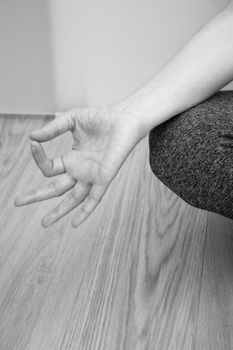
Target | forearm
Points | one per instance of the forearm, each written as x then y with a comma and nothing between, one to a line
202,67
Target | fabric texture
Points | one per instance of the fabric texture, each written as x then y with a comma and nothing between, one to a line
192,154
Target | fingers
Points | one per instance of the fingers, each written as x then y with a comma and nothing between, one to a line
93,199
73,199
47,166
56,188
54,128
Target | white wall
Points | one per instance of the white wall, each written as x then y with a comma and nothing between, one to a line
26,67
105,49
88,52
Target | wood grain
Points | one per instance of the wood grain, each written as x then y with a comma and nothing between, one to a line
139,273
215,321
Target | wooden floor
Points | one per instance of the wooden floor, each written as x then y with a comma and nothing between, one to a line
144,271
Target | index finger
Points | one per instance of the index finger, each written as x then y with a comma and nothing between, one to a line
54,189
49,167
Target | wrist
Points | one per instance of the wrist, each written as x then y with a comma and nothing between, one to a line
150,102
140,109
136,107
128,111
155,103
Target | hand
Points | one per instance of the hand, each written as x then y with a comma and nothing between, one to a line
103,137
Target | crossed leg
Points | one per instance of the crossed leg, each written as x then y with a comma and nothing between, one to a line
192,154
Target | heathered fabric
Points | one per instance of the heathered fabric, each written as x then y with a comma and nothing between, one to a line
192,154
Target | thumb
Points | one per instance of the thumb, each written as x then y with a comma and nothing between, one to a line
56,127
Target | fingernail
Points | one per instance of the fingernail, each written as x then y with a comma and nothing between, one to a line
76,222
73,225
32,135
45,222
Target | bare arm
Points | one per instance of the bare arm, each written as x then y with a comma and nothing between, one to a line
103,137
202,67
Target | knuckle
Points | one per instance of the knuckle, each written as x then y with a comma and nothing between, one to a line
85,210
52,186
93,197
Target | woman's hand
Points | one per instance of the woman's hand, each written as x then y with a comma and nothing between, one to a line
103,138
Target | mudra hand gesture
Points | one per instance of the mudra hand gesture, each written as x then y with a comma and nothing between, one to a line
103,137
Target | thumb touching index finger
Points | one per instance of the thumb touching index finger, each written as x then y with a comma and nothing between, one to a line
56,127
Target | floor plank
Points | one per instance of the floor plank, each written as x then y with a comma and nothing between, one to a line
129,277
215,321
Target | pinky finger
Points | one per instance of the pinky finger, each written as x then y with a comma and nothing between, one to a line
95,195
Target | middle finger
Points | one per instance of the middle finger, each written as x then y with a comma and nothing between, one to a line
76,196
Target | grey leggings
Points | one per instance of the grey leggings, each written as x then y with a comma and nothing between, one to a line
192,154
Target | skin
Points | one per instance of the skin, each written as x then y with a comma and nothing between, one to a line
102,140
104,136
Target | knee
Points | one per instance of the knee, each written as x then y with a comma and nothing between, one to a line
192,154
